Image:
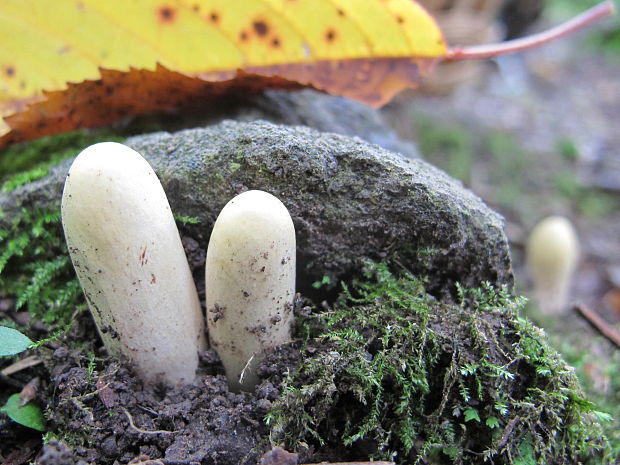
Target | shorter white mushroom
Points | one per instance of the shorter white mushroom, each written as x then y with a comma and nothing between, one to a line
552,255
128,256
250,283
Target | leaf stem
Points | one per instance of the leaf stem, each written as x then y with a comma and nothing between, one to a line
596,13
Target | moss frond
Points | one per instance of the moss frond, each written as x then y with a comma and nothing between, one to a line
35,268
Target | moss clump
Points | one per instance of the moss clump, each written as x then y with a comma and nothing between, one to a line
35,268
600,375
401,376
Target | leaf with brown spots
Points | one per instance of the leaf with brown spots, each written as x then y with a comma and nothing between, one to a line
68,64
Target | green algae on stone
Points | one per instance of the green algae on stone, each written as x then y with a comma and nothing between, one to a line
394,373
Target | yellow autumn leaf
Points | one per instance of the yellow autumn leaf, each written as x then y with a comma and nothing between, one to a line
47,43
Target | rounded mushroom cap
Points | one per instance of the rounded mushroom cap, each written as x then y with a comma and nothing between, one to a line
115,174
552,250
113,151
255,207
552,254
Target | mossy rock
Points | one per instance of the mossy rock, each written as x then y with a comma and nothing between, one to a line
431,364
349,200
393,374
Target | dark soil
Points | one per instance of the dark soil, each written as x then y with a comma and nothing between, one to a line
109,416
103,414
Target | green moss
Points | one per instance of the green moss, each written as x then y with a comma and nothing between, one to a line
393,372
73,439
31,160
35,268
599,373
184,219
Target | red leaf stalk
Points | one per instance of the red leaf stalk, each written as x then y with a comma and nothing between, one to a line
581,21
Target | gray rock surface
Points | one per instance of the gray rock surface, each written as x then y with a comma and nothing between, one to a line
349,200
304,107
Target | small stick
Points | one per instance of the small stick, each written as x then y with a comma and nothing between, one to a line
599,324
21,365
508,433
29,391
596,13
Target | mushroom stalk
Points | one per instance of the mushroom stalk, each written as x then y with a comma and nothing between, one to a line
128,256
250,283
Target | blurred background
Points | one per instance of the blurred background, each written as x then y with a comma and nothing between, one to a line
537,134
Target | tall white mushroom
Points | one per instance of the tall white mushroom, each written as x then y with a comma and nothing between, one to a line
250,281
552,255
128,256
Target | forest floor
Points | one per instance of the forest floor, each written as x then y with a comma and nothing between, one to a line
538,136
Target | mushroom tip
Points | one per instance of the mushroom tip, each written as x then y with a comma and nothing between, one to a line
105,152
254,204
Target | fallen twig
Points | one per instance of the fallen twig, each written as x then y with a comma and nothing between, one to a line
599,324
508,433
21,365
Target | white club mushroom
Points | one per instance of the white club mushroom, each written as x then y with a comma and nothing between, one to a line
551,256
250,283
128,256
